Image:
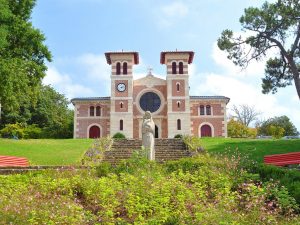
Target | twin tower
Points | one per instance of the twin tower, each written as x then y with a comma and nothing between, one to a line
173,110
168,100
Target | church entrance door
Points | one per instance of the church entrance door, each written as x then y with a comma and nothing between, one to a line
156,132
205,131
94,132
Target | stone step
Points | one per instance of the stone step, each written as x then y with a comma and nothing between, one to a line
165,149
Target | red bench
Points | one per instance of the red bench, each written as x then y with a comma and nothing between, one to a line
9,161
283,159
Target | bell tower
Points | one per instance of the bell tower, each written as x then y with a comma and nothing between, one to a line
121,98
178,98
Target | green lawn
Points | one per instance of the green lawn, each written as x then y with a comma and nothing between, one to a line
46,151
254,148
69,151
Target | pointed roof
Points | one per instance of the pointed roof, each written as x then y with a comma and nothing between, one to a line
163,55
135,55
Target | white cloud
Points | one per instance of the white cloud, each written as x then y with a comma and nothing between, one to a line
95,66
64,84
169,14
175,9
255,68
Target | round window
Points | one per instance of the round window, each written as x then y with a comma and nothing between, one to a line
150,102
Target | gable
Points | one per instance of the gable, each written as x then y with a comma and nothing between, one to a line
149,81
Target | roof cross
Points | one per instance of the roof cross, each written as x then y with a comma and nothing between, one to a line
149,70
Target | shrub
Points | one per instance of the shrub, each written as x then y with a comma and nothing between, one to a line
95,154
288,178
276,131
119,135
32,132
237,129
178,136
252,132
13,131
103,169
193,144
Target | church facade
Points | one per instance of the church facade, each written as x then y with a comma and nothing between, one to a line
173,110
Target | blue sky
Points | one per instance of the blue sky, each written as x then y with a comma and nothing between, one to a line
79,32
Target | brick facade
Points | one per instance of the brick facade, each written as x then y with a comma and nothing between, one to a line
178,113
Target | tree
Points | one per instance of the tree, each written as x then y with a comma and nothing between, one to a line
237,129
52,114
245,114
22,59
282,122
273,26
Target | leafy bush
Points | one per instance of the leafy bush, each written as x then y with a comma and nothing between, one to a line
119,135
276,131
178,136
13,131
288,178
103,169
252,132
32,132
193,144
94,155
198,190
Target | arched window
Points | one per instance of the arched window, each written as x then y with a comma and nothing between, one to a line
125,68
178,104
118,69
92,111
121,124
173,67
98,111
178,124
181,68
208,110
121,105
177,86
202,110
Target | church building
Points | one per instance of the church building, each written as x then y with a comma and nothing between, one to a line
173,110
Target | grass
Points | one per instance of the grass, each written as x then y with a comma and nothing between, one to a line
69,151
256,149
46,151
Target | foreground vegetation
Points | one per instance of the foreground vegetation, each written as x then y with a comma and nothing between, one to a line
199,190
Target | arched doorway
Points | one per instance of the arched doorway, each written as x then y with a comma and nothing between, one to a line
156,132
94,132
206,131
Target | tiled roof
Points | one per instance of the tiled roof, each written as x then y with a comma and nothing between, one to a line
89,99
163,54
210,97
135,55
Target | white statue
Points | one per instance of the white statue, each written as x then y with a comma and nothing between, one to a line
148,129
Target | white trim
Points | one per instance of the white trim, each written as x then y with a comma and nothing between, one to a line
88,129
209,124
207,116
140,94
91,117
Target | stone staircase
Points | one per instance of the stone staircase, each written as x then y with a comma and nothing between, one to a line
165,149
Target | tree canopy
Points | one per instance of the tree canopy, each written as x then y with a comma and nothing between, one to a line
282,122
22,57
273,26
